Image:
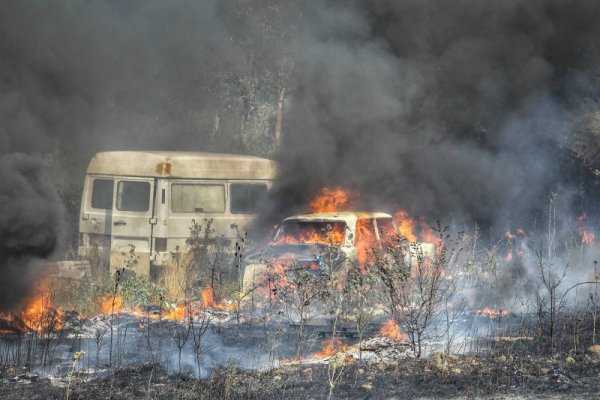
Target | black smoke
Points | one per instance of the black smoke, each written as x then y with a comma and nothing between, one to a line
458,110
81,77
30,224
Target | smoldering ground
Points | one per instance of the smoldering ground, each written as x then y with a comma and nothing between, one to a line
454,110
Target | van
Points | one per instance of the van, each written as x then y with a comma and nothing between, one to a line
139,205
301,241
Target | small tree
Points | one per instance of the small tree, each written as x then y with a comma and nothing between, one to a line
358,294
198,328
549,300
302,289
415,292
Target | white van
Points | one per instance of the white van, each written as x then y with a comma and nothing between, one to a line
142,202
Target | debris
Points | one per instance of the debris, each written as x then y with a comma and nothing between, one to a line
594,350
308,373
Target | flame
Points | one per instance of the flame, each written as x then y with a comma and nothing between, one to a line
413,230
492,312
406,225
365,241
331,200
207,300
513,236
335,236
37,315
331,347
586,236
175,312
391,329
515,246
111,304
207,296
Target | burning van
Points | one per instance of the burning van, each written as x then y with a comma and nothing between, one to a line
328,242
140,204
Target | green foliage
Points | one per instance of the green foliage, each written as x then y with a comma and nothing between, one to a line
86,296
140,291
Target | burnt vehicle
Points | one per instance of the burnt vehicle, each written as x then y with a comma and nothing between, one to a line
328,243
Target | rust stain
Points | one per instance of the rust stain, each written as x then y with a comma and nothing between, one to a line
163,168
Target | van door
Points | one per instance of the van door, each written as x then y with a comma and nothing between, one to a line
132,222
95,225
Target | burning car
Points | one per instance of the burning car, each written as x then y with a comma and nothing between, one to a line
329,243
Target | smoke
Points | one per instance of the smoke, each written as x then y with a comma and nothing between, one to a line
455,110
30,224
89,76
81,77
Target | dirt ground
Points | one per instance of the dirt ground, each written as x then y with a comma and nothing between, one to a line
439,377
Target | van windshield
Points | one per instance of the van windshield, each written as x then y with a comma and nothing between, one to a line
311,232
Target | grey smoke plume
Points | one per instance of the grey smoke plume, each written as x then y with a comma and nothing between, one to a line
449,109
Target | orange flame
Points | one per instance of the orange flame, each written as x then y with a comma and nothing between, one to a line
331,347
406,225
176,312
492,313
207,300
207,296
334,237
38,314
515,246
111,304
365,241
331,200
391,329
586,236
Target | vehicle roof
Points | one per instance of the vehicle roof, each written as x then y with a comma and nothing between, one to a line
180,164
347,216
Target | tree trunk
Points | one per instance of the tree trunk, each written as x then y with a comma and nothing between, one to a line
279,121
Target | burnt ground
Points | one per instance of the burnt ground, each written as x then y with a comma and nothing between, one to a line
438,377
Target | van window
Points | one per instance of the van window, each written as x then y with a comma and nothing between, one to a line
246,197
387,230
365,232
133,196
102,194
190,198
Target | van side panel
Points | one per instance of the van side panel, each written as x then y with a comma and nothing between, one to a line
175,217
